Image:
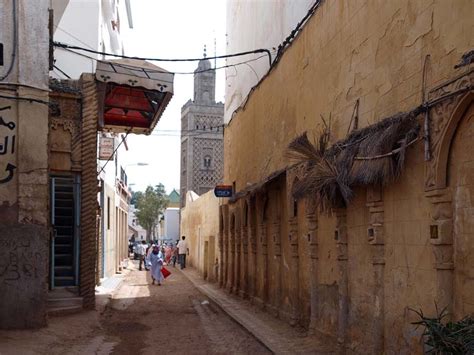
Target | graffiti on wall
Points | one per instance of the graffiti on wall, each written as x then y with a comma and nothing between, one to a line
8,147
5,148
18,261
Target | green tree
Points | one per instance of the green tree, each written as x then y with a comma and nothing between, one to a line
150,205
135,194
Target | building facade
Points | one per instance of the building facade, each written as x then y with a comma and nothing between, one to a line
377,219
202,135
136,233
51,188
98,25
24,180
199,223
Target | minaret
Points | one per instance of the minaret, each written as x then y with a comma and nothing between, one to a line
204,82
202,141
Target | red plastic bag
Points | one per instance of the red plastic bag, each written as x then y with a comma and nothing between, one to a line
165,272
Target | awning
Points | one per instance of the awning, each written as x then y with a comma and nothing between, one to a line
133,95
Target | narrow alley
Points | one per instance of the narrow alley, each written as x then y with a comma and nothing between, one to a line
309,161
141,318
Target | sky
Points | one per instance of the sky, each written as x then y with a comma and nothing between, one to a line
170,29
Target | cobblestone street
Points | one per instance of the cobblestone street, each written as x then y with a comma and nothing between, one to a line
140,318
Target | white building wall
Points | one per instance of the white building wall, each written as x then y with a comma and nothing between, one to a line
133,221
79,26
171,230
94,24
253,24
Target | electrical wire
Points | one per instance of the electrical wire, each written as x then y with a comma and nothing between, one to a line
205,129
61,71
30,99
255,51
197,134
171,72
289,39
14,44
74,37
115,151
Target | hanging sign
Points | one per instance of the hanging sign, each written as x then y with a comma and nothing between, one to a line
223,191
106,148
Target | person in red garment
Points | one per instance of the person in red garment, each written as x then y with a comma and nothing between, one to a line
168,255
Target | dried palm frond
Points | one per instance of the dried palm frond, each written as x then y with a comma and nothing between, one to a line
301,149
373,155
449,338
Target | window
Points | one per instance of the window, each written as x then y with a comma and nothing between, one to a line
207,161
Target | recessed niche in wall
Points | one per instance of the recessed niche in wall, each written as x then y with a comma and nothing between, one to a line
370,234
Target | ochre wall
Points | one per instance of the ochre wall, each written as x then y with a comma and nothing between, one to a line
348,50
200,224
373,52
461,177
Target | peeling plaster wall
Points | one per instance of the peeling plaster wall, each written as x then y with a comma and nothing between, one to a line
461,175
345,52
373,52
251,25
24,189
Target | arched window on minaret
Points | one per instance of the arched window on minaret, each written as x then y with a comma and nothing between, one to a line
207,161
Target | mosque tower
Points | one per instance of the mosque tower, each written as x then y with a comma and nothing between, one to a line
202,140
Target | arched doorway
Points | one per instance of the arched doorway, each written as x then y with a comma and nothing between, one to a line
460,172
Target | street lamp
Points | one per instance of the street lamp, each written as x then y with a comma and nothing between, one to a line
137,164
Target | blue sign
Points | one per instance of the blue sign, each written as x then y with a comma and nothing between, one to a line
223,191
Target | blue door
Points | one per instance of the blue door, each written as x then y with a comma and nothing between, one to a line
65,217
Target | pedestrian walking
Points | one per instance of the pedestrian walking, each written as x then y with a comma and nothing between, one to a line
156,259
147,256
141,251
174,256
168,253
183,250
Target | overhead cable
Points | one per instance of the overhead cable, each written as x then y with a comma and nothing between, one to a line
240,54
175,72
61,71
115,151
29,99
289,39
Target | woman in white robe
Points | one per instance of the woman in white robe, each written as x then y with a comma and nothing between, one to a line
156,260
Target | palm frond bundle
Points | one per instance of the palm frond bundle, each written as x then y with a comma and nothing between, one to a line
369,156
